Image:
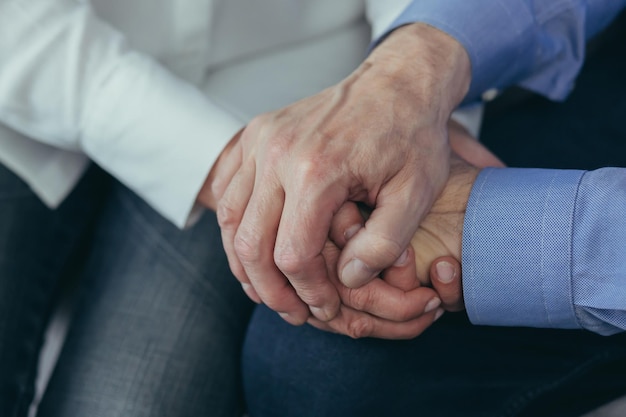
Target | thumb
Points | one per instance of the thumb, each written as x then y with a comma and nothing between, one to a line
378,245
400,206
445,276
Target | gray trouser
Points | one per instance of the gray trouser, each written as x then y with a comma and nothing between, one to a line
159,319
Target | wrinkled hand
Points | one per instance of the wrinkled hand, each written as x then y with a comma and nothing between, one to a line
401,305
378,137
395,307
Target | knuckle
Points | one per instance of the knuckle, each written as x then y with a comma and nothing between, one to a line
277,148
258,123
359,299
247,247
313,298
385,250
288,261
317,170
404,312
227,216
307,167
360,327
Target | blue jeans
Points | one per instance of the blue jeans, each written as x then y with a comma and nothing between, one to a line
453,369
159,320
456,369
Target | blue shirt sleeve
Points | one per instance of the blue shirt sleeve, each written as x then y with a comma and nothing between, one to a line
539,45
547,248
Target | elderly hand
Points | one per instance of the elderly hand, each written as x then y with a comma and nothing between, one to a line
401,304
379,137
395,307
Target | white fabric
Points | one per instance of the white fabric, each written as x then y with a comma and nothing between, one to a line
152,90
381,14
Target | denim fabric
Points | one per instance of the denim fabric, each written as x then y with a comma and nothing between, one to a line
159,321
38,247
453,369
456,369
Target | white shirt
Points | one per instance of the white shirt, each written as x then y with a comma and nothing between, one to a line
152,90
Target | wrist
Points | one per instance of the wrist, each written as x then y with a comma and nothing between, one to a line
428,63
459,187
441,232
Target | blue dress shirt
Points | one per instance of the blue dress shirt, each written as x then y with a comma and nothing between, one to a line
539,45
541,248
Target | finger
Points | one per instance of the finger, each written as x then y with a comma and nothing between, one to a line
402,274
470,149
386,234
302,234
346,223
254,246
358,325
230,210
221,174
445,273
228,168
382,300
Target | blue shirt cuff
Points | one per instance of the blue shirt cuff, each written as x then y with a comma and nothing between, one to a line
517,248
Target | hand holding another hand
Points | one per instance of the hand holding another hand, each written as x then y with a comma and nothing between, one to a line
378,137
402,303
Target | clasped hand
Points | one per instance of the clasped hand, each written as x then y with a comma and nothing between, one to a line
414,292
379,137
405,299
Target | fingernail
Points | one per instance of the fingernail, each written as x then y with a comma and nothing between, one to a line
251,293
351,231
356,273
402,259
445,272
438,314
287,317
320,314
432,304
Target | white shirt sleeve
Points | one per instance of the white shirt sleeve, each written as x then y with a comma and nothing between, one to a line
382,13
70,80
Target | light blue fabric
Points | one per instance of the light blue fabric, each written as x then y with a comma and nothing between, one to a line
537,44
547,248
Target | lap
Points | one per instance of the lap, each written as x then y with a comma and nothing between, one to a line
159,322
38,247
452,369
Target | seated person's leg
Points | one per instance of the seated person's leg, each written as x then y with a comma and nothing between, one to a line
453,369
159,324
37,246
